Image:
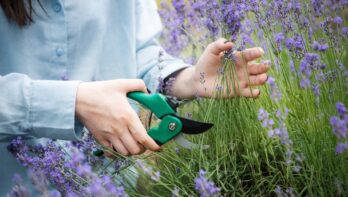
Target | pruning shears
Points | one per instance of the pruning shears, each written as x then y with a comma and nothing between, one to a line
171,125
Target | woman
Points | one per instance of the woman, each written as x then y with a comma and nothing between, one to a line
66,65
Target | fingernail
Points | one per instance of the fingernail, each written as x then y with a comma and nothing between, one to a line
268,63
226,41
261,50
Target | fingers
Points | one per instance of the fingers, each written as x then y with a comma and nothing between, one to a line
219,46
252,53
257,79
118,145
255,69
132,146
140,134
251,93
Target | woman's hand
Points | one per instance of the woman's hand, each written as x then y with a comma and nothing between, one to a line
104,110
200,80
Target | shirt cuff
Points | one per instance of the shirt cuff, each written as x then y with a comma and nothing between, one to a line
152,81
52,110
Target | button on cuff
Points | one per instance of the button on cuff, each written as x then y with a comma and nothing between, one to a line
59,51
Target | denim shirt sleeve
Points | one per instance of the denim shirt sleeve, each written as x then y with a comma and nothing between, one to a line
37,108
148,30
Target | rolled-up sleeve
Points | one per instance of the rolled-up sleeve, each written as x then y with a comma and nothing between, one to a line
148,30
38,108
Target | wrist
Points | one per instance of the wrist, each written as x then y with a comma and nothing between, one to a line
184,86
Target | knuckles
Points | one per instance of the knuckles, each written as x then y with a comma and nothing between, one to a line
121,118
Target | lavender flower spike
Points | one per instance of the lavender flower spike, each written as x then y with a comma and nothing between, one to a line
341,147
205,187
341,109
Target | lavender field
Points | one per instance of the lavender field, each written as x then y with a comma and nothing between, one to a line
290,141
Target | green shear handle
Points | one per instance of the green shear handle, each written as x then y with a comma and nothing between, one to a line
170,126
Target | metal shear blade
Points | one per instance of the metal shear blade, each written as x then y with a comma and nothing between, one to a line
194,127
182,141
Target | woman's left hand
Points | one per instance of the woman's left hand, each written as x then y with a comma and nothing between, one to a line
200,80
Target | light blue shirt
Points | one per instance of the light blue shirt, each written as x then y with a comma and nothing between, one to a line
71,41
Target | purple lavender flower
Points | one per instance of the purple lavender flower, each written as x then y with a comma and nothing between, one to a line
320,46
292,67
274,90
232,15
247,40
280,133
179,6
278,39
39,180
305,82
341,109
96,189
295,44
19,190
345,31
341,147
69,176
264,118
55,193
211,9
338,20
339,127
310,63
310,33
120,192
205,187
289,192
254,6
174,21
263,114
317,7
72,194
316,89
279,192
154,175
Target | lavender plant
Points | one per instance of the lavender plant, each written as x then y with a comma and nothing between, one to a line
71,169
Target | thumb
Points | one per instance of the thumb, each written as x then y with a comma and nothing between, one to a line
133,85
219,46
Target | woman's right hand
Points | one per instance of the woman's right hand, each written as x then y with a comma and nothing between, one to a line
104,110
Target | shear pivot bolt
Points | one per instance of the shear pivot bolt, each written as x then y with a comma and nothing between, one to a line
172,126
